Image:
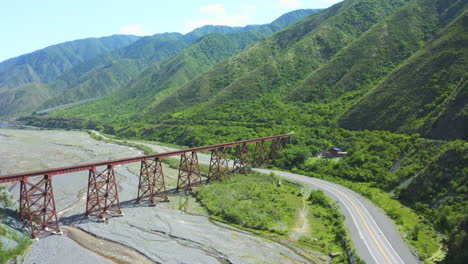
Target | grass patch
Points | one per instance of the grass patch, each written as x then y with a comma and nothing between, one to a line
253,201
257,202
23,244
327,231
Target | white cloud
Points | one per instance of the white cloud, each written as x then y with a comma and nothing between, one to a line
216,9
290,3
250,7
136,29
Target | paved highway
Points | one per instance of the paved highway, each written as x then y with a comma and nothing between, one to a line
375,237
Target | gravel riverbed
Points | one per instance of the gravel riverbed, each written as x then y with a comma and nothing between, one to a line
161,233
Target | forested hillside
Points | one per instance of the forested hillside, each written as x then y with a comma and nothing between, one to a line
427,94
70,77
111,72
394,65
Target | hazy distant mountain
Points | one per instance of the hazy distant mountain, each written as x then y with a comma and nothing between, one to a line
46,64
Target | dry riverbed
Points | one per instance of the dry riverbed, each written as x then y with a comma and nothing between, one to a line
174,232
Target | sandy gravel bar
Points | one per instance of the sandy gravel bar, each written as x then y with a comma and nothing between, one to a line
60,249
170,236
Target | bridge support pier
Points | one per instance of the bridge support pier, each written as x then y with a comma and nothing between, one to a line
275,148
189,172
37,206
261,154
103,196
242,159
151,183
219,167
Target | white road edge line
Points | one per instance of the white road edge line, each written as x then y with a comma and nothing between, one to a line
369,215
306,181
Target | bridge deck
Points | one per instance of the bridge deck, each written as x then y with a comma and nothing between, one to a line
89,166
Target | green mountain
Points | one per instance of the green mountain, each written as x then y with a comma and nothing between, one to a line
352,64
161,79
47,64
23,79
394,65
110,72
433,102
96,76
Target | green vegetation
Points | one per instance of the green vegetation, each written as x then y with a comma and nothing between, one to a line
432,102
328,233
259,203
23,79
253,201
378,64
91,68
428,176
156,74
21,242
49,63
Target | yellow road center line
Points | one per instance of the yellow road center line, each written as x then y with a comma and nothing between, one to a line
367,226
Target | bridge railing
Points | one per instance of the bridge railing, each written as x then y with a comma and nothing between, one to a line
37,204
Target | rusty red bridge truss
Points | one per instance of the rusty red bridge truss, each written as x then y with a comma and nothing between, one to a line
37,205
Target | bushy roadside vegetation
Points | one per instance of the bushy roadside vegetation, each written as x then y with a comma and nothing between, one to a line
259,203
328,233
428,176
253,201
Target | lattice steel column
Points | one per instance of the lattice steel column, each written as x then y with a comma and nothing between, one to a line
219,168
261,154
37,206
242,159
151,183
189,172
103,195
275,148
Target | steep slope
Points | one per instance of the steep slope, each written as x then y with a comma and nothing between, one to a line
23,98
48,63
159,80
23,80
110,72
279,63
433,102
335,73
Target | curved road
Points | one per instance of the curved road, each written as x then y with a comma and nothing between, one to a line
375,237
373,233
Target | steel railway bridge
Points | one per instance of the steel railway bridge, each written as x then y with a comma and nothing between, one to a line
37,205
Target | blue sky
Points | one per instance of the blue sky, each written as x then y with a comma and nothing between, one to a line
29,25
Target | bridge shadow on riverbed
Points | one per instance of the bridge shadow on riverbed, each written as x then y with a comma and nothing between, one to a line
10,219
81,218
